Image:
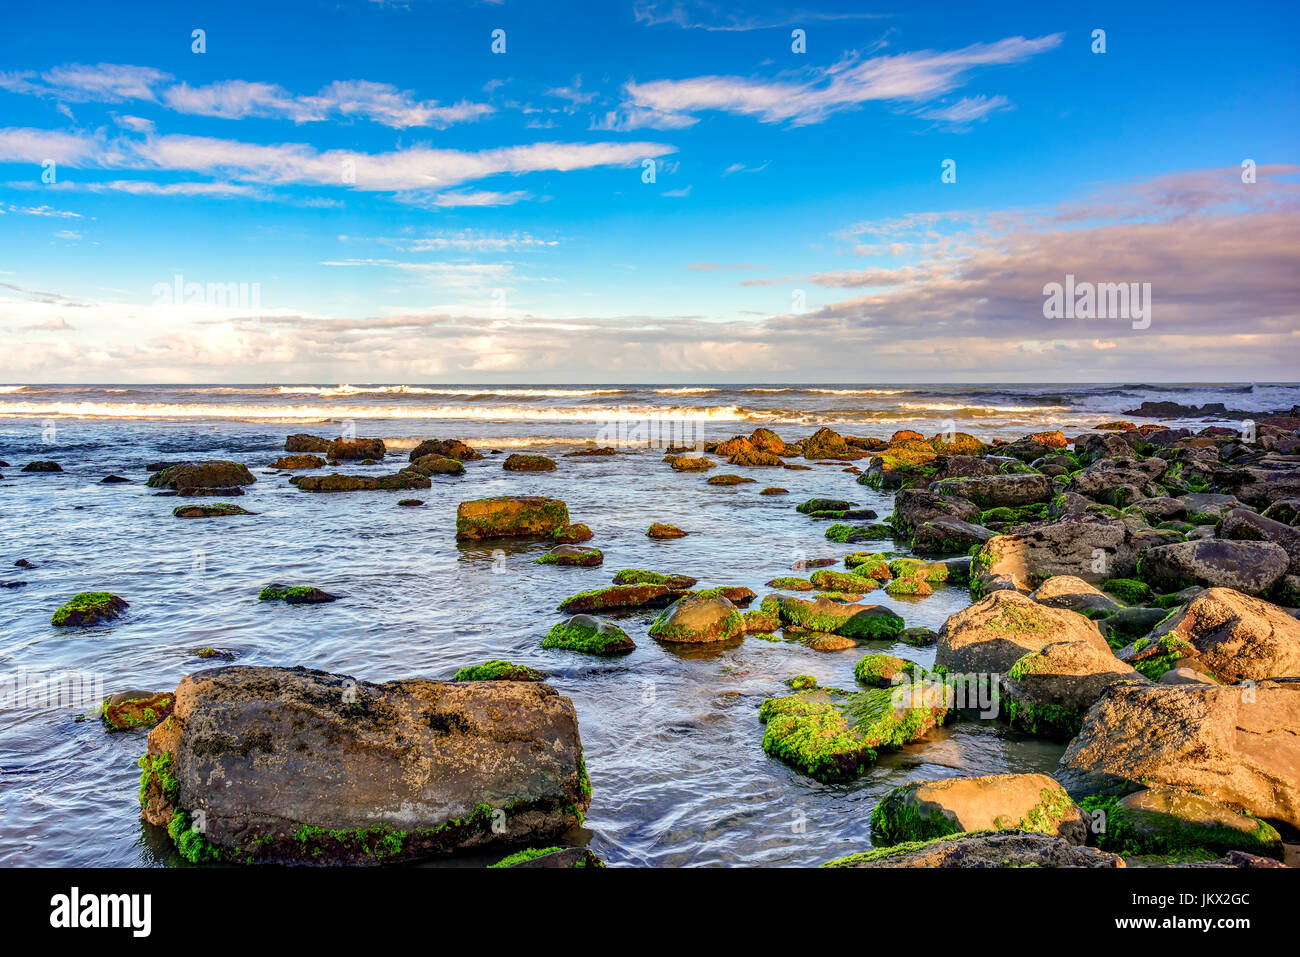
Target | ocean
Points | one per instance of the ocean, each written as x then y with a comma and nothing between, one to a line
671,734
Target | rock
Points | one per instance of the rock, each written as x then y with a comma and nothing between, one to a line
699,618
640,576
1229,747
585,452
436,465
1208,504
765,440
410,502
566,858
498,670
113,480
356,449
832,507
528,463
42,467
1083,546
1250,567
999,491
214,474
620,596
1241,524
1047,692
1128,590
773,490
755,458
660,530
1164,821
978,850
994,633
858,533
1286,511
298,462
1129,623
589,634
296,594
293,765
306,443
1160,508
209,510
583,556
959,466
828,580
1224,633
885,671
445,448
692,463
509,516
860,622
1185,676
408,478
1118,481
919,636
944,536
924,810
729,480
1075,594
572,534
915,506
1272,478
826,444
834,735
128,710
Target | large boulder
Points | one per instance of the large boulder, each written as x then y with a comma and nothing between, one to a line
1231,745
1119,481
826,444
302,442
1084,546
916,506
1223,633
1270,478
289,764
1243,525
1013,849
445,448
1164,821
994,633
699,618
1048,691
1250,567
508,516
214,474
945,536
923,810
995,491
1073,593
357,449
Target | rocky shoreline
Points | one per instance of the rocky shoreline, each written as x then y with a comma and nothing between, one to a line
1134,591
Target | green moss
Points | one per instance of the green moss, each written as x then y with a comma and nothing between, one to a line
157,768
527,854
832,735
872,626
932,572
1170,649
92,604
1128,590
193,846
1132,833
283,593
881,671
853,583
606,640
497,670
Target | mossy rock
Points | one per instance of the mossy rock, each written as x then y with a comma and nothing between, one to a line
528,463
814,505
858,533
925,810
728,480
214,654
1128,590
498,670
699,618
571,534
663,530
885,671
869,564
910,587
589,634
619,596
859,622
852,582
89,608
509,516
791,583
213,474
581,556
296,594
834,735
774,490
918,636
641,576
437,465
128,710
209,510
1167,822
566,858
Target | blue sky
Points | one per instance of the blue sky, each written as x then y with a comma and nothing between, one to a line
404,204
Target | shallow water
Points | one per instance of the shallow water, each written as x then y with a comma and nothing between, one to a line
672,736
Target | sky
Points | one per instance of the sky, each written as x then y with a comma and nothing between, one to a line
645,191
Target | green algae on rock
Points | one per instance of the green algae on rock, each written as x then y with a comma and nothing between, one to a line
662,530
571,534
209,510
582,556
89,608
828,580
885,671
296,594
699,618
1168,822
510,516
518,462
566,858
859,622
619,596
213,474
498,670
128,710
834,735
641,576
589,634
